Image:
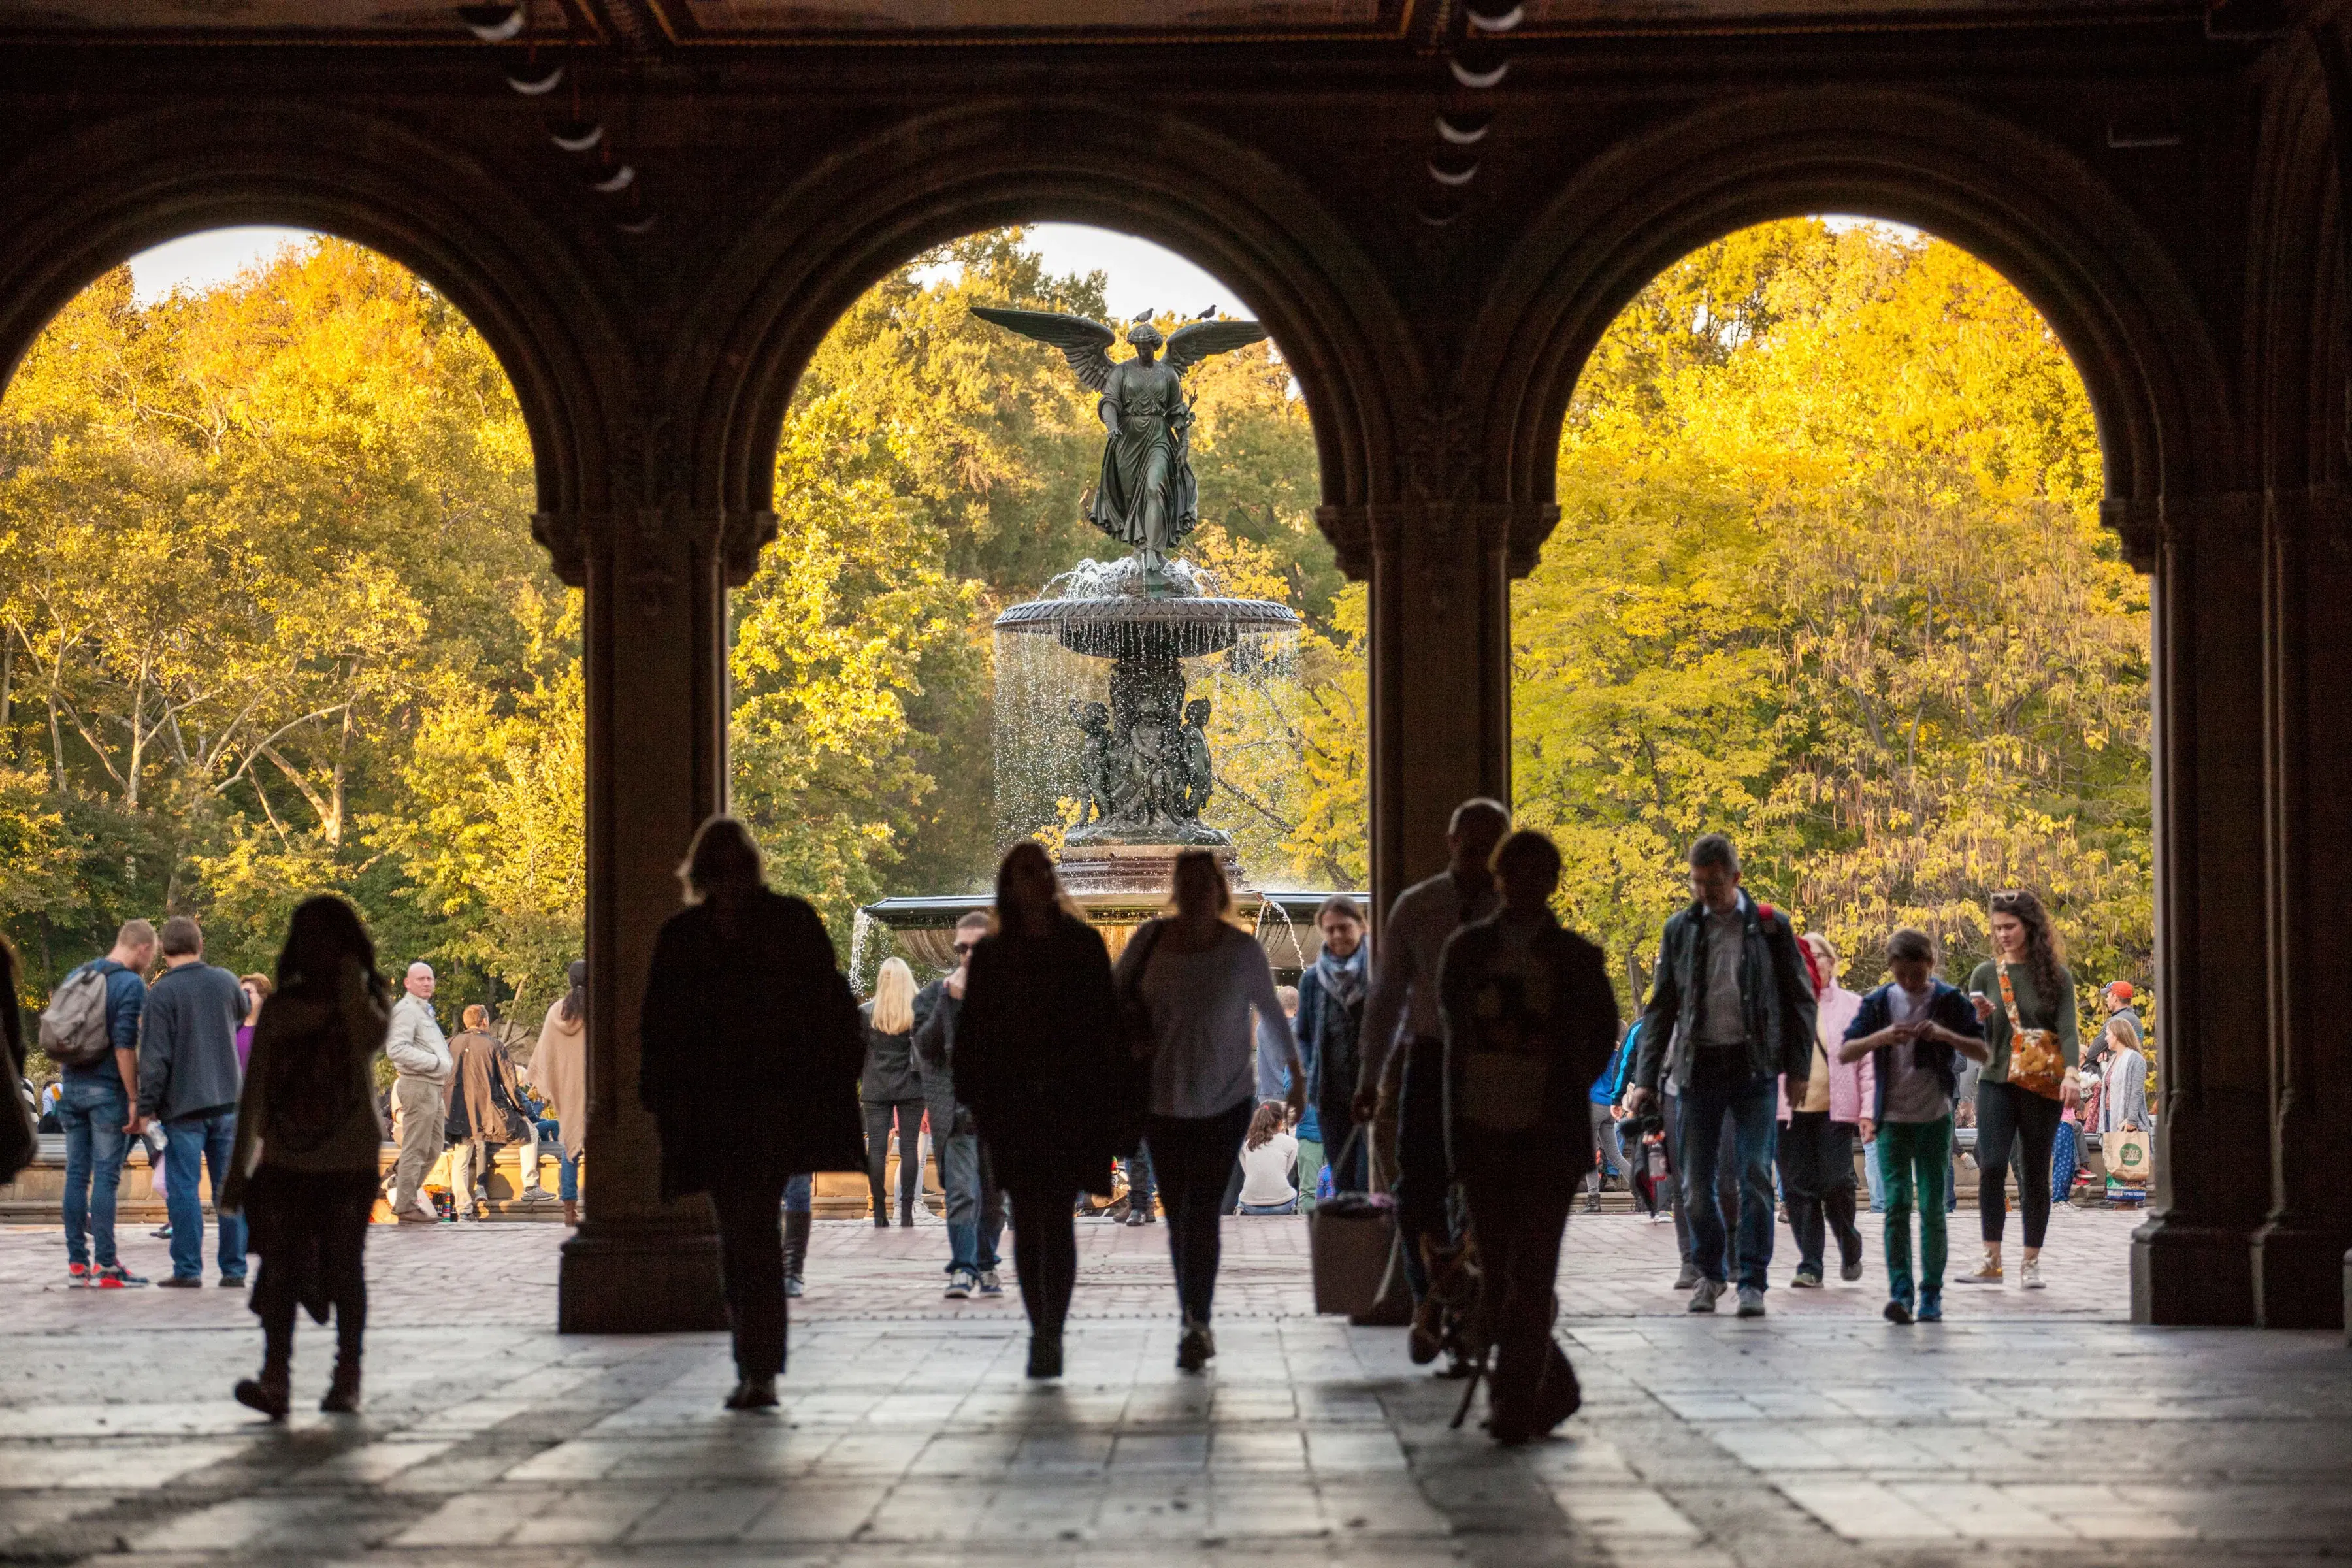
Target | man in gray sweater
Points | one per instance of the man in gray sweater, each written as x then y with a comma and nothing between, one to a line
188,1080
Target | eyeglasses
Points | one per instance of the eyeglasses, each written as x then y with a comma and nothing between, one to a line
963,949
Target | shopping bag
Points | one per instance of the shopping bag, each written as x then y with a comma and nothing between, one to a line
2127,1157
1348,1238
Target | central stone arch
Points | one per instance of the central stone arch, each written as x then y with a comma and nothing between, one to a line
846,224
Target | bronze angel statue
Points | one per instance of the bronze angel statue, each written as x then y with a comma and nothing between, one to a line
1146,496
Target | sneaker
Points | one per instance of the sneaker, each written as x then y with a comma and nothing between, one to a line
181,1282
1688,1278
1985,1273
1704,1295
1850,1270
1751,1301
1139,1216
1196,1347
1896,1312
1806,1279
959,1283
116,1277
1931,1308
78,1275
232,1282
2029,1275
990,1285
794,1288
161,1232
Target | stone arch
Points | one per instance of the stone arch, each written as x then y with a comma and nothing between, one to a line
2029,208
865,210
93,198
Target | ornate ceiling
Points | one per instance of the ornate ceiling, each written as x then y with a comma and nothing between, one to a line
786,22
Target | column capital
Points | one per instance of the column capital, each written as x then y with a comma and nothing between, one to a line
1360,529
647,535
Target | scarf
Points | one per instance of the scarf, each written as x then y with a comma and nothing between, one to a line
1342,978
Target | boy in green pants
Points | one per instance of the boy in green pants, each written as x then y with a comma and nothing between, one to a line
1915,1028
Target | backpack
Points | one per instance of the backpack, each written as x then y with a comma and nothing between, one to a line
74,1032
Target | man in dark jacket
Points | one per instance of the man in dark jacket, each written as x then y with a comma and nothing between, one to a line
189,1080
975,1208
1733,1007
1530,1022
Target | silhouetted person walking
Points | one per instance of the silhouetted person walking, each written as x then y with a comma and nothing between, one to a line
750,1050
1198,976
1055,1096
1529,1023
304,1168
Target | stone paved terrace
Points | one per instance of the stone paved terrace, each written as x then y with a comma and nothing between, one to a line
2027,1428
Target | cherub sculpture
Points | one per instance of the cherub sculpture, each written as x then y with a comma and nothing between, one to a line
1199,779
1146,496
1096,775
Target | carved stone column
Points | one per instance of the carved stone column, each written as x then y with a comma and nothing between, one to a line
654,581
2300,1255
1441,664
2192,1260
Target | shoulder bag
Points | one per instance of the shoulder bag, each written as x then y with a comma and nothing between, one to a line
2035,1062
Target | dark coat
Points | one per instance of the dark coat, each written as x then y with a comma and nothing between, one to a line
1945,1005
750,1045
1040,1061
935,1021
1776,995
1329,1037
486,1101
889,1073
1573,1030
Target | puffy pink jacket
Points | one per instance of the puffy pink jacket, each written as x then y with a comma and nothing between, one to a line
1852,1084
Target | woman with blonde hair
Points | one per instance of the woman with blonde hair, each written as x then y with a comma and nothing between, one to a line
1196,976
891,1086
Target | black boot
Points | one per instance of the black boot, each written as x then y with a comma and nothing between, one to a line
343,1397
906,1212
796,1240
268,1393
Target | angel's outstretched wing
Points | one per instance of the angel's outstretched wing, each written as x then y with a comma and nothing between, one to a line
1083,343
1188,346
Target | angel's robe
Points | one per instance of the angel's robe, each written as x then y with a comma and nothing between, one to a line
1146,497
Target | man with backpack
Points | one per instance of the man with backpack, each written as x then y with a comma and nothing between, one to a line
91,1032
189,1080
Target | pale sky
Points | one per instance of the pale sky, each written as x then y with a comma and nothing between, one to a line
1143,276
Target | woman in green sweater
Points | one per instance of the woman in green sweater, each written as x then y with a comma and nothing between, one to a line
2025,981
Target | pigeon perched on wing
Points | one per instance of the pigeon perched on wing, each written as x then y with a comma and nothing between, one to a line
1141,316
1206,314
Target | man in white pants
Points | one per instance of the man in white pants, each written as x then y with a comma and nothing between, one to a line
420,1056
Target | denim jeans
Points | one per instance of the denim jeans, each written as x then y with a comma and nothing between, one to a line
1916,1159
567,1169
1752,1100
92,1111
205,1140
975,1209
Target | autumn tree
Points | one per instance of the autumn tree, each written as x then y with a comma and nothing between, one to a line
1829,576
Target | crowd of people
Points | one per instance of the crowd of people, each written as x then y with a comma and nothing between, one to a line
1472,1073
